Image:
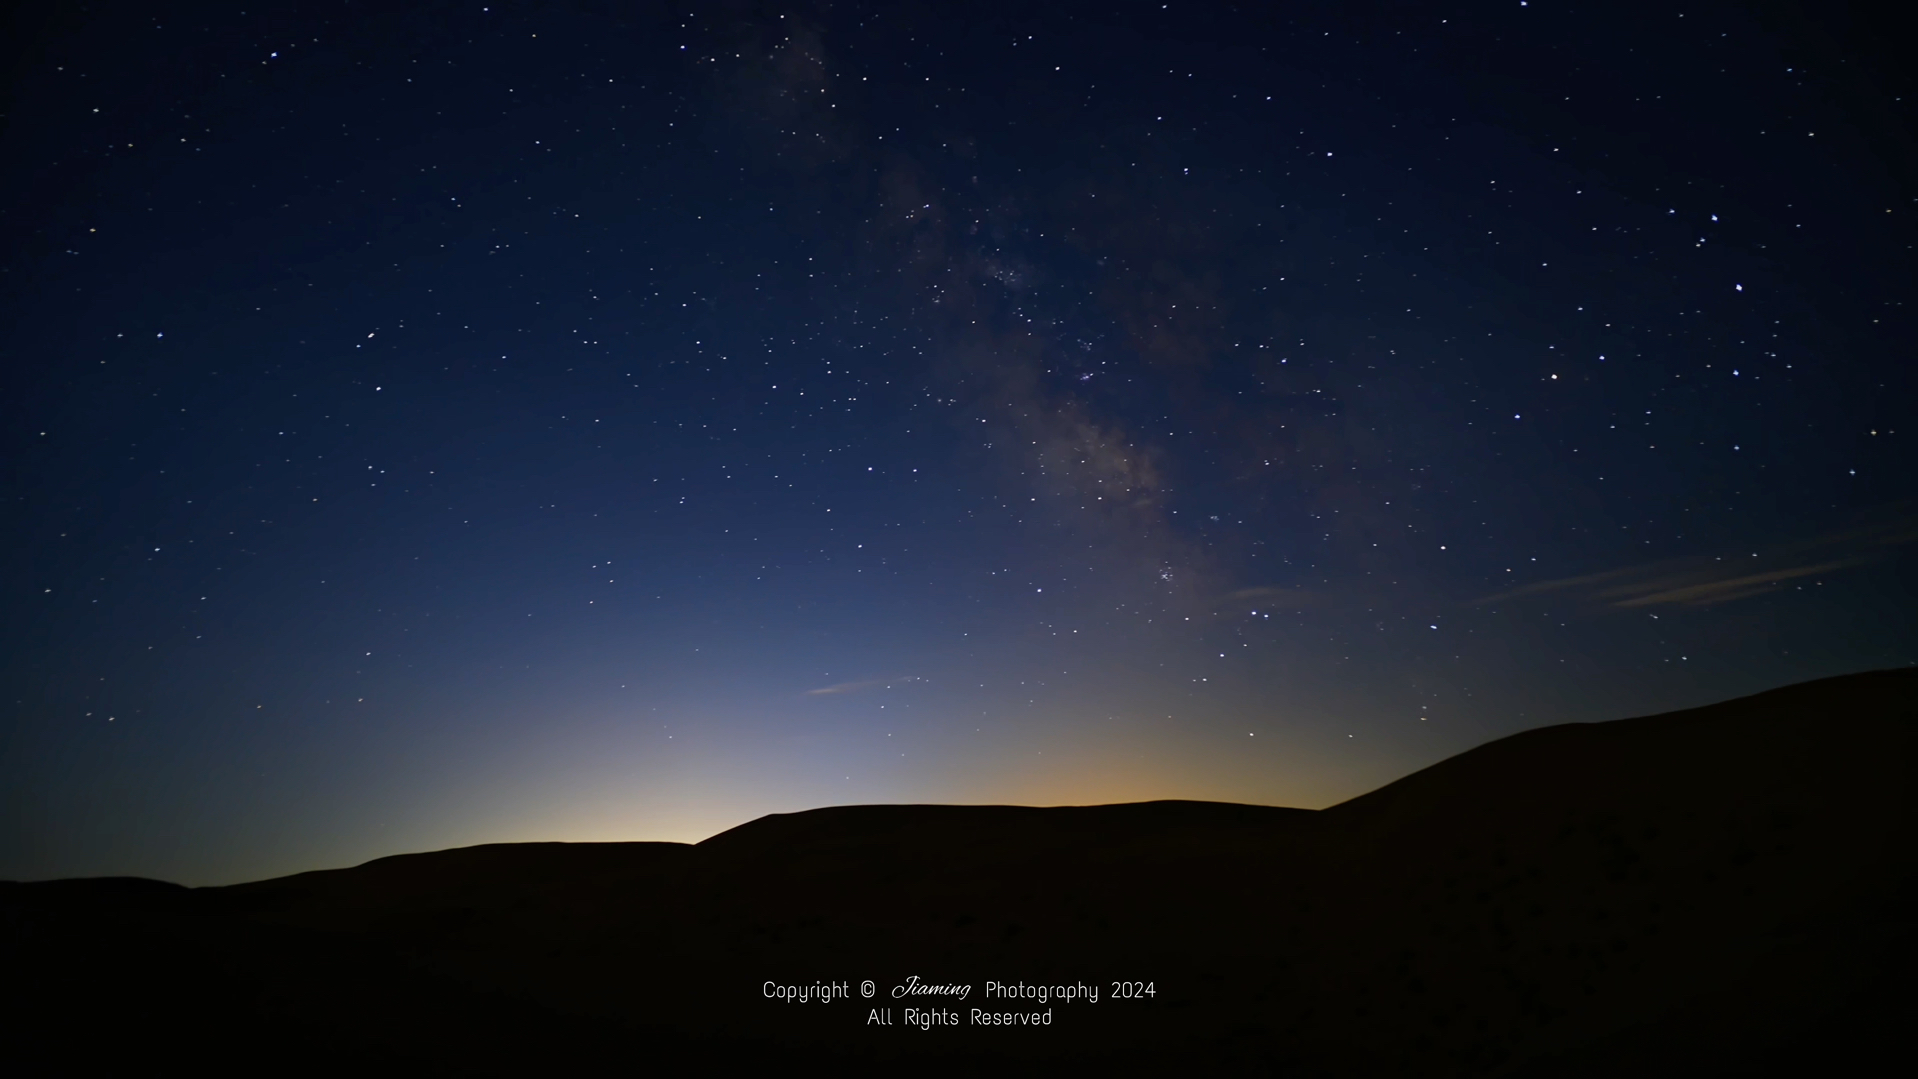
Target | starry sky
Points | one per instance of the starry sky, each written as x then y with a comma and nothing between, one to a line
435,424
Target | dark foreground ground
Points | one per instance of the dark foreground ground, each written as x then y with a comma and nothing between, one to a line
1723,891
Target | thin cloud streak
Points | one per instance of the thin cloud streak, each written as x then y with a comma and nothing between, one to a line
1707,592
1702,582
838,688
842,687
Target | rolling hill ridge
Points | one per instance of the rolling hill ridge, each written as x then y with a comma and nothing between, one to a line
1725,890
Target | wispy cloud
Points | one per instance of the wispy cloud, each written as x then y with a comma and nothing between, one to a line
842,687
1703,582
859,686
1704,588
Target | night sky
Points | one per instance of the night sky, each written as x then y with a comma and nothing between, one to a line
436,424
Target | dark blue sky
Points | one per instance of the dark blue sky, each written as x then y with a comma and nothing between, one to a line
439,424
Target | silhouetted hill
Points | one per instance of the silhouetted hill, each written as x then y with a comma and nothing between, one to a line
1721,891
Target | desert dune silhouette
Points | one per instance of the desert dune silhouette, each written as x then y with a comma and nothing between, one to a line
1726,890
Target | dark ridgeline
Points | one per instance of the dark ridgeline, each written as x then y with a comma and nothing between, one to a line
1726,890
